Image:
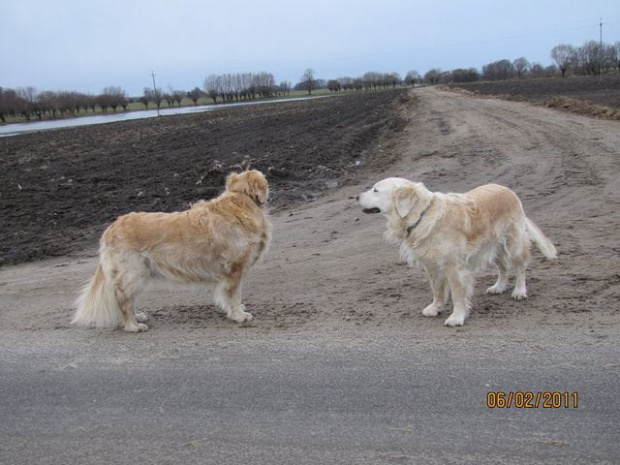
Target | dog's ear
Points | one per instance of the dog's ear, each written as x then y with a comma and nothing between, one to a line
252,183
258,187
404,198
230,179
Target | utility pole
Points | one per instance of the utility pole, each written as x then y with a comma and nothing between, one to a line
600,50
155,92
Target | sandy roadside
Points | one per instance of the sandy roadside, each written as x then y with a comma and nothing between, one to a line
330,274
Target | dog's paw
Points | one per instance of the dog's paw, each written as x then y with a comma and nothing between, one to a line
141,317
519,294
455,320
495,289
431,310
241,317
137,328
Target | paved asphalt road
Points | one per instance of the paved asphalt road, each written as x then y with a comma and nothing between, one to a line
299,402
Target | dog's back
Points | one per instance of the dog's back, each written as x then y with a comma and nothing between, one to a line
214,241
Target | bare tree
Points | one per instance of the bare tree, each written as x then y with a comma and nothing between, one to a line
28,102
9,103
194,95
285,87
178,96
411,77
146,97
168,99
461,75
498,70
264,84
609,54
392,79
115,96
308,80
520,66
589,56
212,86
433,76
154,95
564,57
372,79
333,85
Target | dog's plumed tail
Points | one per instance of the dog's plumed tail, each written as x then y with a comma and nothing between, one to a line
97,305
542,242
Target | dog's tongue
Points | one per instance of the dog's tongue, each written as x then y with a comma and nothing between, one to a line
371,210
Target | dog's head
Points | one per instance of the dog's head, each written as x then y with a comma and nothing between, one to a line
392,195
251,183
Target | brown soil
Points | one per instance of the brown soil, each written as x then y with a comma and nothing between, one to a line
589,95
59,189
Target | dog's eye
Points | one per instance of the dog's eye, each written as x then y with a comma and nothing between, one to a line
375,190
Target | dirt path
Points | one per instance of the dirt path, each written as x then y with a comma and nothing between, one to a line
330,302
329,267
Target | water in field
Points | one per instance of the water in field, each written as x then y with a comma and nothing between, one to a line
36,126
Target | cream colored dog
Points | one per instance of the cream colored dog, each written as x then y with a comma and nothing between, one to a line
215,241
455,235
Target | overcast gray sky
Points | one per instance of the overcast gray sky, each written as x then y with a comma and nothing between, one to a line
86,45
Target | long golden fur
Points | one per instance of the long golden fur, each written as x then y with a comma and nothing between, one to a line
455,235
215,241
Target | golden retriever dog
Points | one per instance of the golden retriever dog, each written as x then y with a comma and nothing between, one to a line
455,235
215,241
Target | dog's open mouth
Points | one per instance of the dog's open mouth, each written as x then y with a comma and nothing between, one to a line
371,210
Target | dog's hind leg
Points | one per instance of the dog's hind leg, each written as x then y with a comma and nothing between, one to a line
441,291
126,286
520,260
461,287
520,291
228,294
502,279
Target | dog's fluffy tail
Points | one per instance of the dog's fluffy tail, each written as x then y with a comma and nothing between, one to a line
542,242
97,305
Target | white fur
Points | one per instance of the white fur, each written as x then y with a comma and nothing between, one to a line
453,236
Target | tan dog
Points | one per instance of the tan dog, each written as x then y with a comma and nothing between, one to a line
455,235
215,241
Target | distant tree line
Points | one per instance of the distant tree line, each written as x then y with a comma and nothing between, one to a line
157,96
243,86
31,104
589,59
592,58
371,80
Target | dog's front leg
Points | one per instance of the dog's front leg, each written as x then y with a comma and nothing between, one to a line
441,291
461,286
228,296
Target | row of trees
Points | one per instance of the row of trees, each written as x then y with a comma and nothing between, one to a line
243,86
371,80
590,59
30,103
